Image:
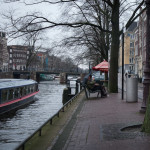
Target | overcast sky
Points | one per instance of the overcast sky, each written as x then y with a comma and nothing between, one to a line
48,10
52,11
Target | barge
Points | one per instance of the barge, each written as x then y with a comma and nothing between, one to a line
15,93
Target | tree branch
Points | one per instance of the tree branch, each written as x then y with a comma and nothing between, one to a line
50,2
133,17
108,2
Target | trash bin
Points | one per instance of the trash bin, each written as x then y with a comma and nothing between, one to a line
132,89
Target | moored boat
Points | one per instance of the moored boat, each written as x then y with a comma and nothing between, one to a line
15,93
44,77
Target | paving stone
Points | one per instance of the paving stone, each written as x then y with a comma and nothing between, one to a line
98,124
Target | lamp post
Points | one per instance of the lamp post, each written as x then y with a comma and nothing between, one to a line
123,63
146,82
90,65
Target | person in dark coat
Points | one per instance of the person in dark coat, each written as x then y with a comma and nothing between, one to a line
92,85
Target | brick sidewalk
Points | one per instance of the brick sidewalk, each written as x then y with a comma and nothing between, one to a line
98,126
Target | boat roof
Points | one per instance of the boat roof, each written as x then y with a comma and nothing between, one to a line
9,83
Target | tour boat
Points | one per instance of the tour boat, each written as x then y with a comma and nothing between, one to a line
15,93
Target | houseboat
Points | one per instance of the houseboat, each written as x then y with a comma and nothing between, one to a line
15,93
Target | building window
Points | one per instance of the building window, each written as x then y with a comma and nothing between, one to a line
136,49
131,44
132,60
3,34
140,43
131,52
132,36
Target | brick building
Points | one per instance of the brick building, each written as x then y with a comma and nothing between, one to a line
4,59
140,45
18,57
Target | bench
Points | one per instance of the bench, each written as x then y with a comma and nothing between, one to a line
89,91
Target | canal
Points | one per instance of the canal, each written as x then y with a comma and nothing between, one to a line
14,129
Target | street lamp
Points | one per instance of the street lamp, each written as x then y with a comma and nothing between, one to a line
89,67
123,62
146,82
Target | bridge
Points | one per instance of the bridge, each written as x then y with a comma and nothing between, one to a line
35,75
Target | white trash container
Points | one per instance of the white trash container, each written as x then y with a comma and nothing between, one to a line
132,90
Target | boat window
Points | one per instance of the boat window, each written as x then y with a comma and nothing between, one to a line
36,88
28,89
10,94
4,95
21,91
17,92
32,88
24,90
0,96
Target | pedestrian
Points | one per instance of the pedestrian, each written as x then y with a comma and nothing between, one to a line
126,74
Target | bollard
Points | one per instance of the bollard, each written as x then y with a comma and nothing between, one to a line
65,95
77,90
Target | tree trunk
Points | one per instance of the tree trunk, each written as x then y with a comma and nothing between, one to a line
113,73
146,123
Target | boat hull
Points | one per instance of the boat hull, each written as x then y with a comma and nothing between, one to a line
7,108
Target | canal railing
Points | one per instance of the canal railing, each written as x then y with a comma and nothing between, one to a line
50,121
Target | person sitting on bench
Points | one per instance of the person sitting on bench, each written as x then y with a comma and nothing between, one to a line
93,86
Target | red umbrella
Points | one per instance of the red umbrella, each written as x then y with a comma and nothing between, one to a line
103,66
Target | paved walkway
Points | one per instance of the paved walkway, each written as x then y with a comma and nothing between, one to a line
97,125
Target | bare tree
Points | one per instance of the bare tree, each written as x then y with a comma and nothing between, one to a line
85,13
33,41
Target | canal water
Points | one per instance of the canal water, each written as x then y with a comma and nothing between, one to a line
14,129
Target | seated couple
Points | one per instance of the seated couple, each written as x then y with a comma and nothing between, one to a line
93,86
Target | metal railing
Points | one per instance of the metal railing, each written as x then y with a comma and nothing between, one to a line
50,120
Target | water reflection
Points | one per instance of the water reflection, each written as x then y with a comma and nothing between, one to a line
15,129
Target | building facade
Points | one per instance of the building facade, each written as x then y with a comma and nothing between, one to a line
129,50
18,57
135,48
4,57
140,45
